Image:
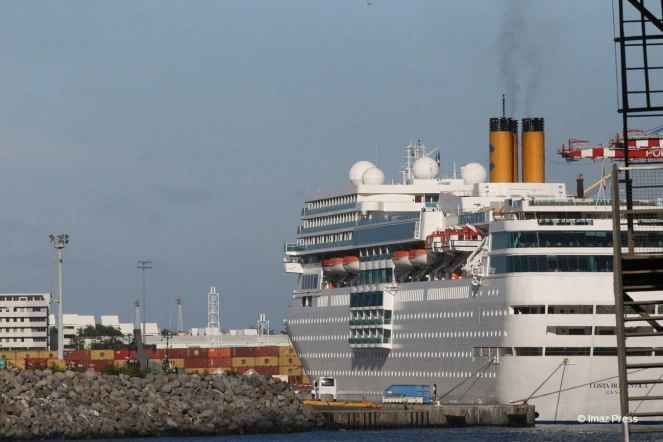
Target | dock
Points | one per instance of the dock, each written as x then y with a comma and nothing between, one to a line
394,416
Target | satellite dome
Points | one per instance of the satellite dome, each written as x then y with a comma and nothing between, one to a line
425,168
473,173
357,171
373,176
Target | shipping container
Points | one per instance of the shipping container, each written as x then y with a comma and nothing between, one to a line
196,363
262,371
244,352
71,365
9,355
267,361
124,355
197,353
290,360
176,362
99,364
26,354
287,351
243,362
178,353
119,363
306,380
152,354
220,362
77,355
290,370
45,354
102,355
219,352
57,363
202,371
34,363
266,351
16,363
410,391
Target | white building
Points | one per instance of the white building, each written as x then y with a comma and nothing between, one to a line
74,322
24,320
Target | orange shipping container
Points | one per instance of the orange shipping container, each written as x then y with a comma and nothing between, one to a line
9,355
196,363
26,354
119,363
290,360
306,380
220,362
287,351
267,351
290,371
17,363
218,352
271,361
243,362
102,355
196,370
176,362
47,354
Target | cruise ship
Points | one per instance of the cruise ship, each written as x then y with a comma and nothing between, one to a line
491,287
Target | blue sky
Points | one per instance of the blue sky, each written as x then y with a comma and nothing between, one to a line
187,133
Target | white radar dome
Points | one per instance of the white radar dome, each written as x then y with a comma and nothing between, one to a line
357,171
473,173
373,176
425,168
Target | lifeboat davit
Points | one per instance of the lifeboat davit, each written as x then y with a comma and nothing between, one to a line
351,264
401,258
421,258
336,265
326,265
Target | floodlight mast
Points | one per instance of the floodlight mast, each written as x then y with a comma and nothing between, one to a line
60,242
144,265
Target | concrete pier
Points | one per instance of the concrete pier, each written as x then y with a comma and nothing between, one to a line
429,416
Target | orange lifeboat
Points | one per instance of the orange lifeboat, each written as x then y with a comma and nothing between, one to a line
401,258
444,238
336,265
421,258
351,264
326,266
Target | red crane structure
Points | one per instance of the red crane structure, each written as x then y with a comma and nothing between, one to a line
643,146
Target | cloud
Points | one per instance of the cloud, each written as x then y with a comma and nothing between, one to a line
179,195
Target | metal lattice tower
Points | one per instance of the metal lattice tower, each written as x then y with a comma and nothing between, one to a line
213,333
144,265
137,322
263,330
59,242
180,321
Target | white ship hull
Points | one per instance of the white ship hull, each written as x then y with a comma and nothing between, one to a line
438,324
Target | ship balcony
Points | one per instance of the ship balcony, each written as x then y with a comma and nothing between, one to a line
327,209
370,342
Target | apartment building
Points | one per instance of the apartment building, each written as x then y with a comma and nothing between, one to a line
24,321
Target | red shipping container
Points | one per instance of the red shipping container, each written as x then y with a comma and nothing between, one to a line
99,365
219,352
123,355
196,363
260,370
244,352
31,362
220,362
292,380
176,353
197,353
71,365
267,351
78,355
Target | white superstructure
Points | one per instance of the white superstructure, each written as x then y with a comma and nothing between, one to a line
494,292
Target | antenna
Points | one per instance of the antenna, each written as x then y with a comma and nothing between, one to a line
180,322
213,332
263,330
503,106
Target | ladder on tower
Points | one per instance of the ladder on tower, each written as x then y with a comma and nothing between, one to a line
637,196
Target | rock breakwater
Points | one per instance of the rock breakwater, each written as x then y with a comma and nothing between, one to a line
72,405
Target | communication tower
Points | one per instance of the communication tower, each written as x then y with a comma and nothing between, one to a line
263,330
213,333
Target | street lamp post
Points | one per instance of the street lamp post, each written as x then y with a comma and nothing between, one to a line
144,265
60,242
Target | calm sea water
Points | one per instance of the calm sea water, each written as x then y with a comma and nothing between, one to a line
543,433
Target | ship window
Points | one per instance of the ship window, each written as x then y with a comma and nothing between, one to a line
508,240
564,330
604,330
605,351
610,310
570,309
528,309
529,351
567,351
